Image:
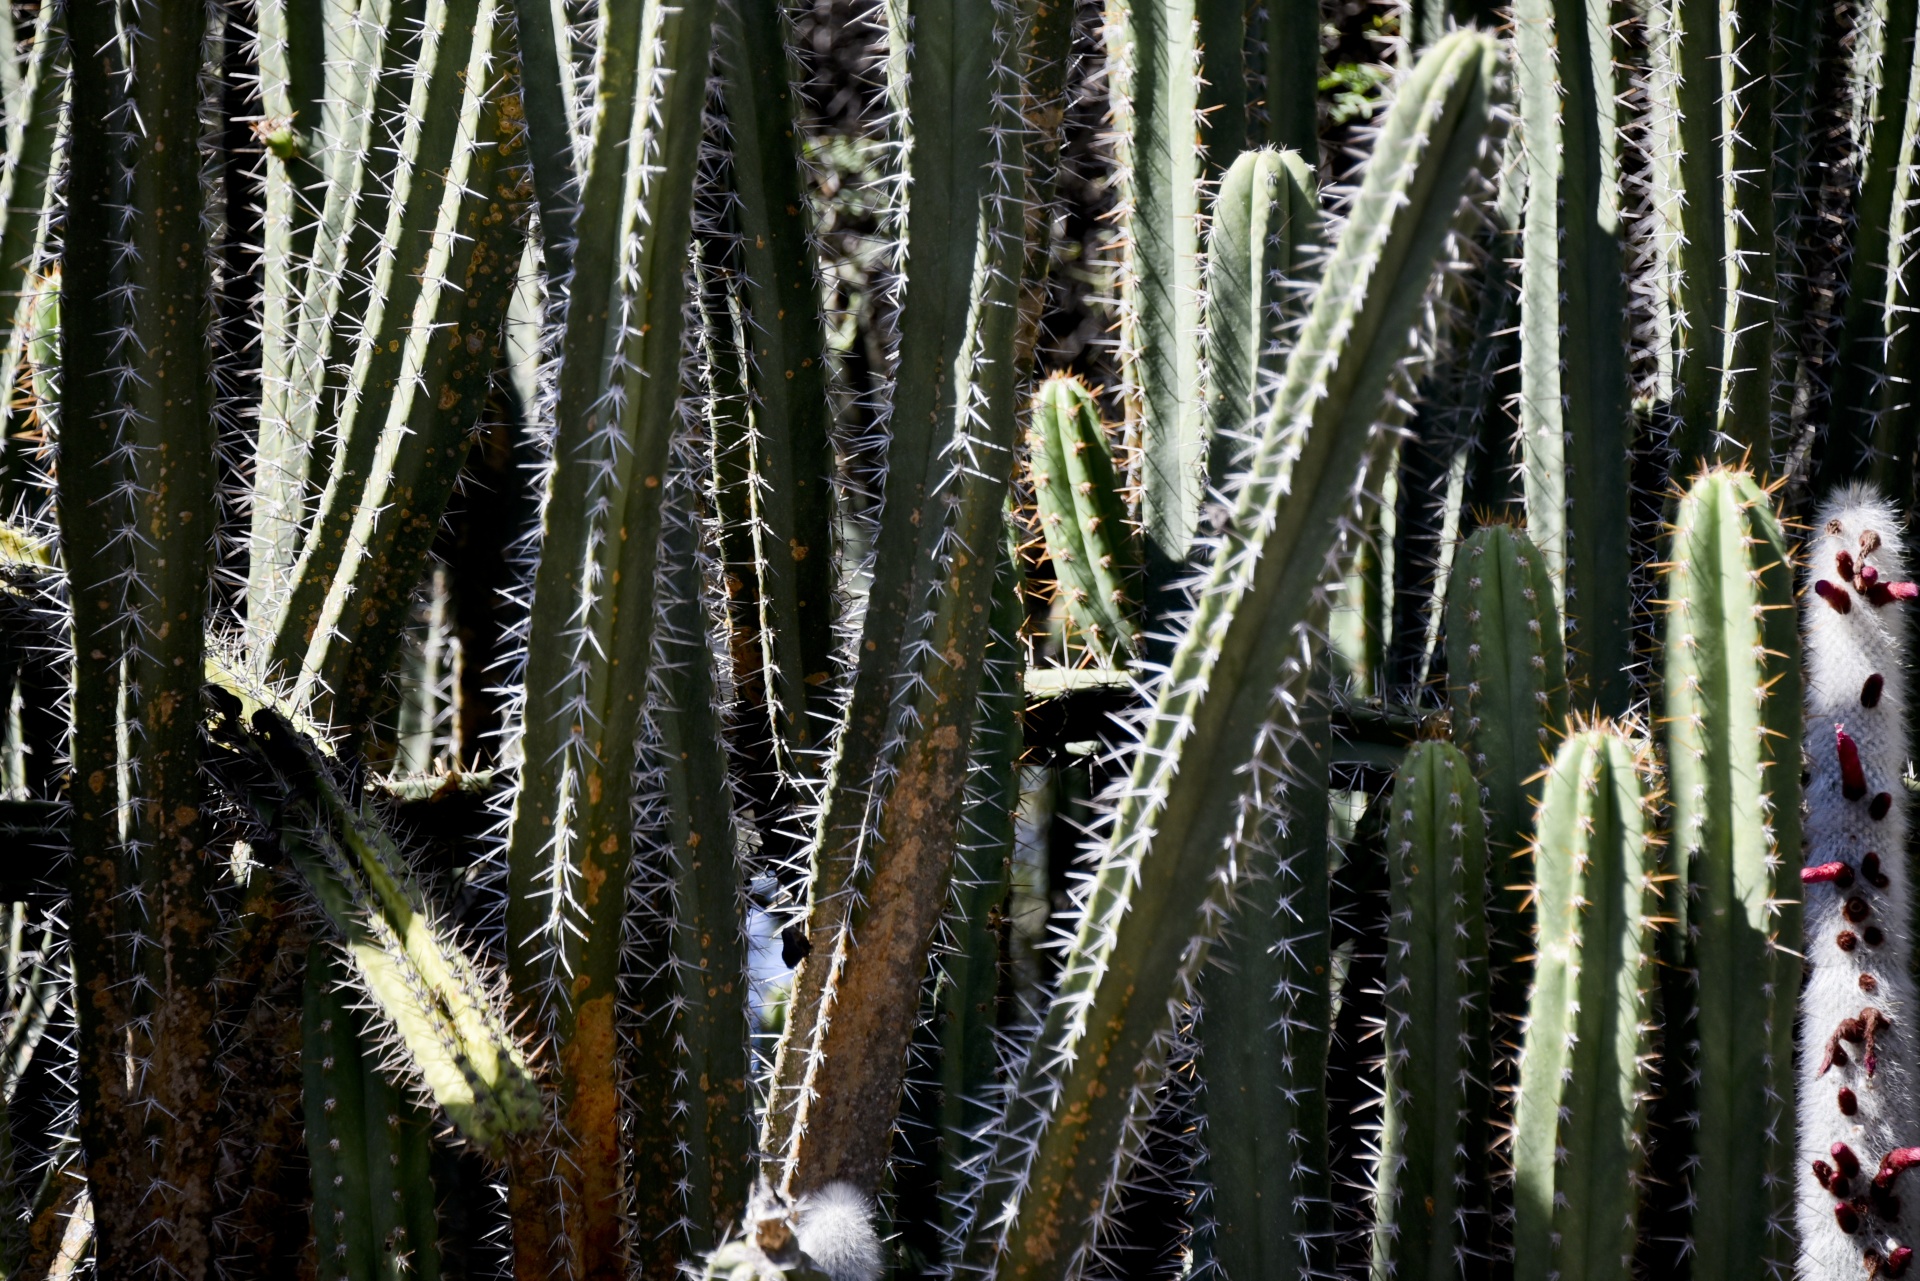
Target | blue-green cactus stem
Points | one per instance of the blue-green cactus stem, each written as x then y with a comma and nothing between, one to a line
1430,1203
1083,515
1506,680
1579,1116
1575,421
1265,220
1733,718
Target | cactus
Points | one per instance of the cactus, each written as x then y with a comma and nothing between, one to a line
1082,515
373,1195
1732,683
1105,1031
1435,1130
1505,672
1576,1151
1855,1079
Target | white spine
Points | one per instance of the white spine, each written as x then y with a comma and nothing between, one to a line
1856,1040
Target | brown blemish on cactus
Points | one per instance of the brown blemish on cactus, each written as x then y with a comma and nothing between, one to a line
1846,1101
1846,940
1878,807
1856,909
1869,984
1870,869
593,1124
1834,594
1870,690
1873,936
1853,779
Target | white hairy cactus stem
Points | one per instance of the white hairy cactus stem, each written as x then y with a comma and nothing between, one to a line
1856,1061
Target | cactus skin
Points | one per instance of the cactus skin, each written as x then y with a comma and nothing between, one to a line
1264,1040
1264,220
1574,415
1859,923
1430,1215
1154,72
1732,684
1505,671
1082,516
373,1195
1097,1055
1578,1118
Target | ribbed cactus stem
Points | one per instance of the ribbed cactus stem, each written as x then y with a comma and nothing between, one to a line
1265,219
368,1144
1083,516
1857,1215
1732,683
1436,1132
1506,670
1579,1118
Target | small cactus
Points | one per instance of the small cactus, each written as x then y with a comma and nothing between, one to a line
1082,514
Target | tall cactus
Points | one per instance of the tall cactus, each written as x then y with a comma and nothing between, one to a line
1096,1058
1431,1210
1856,1073
1576,1149
1732,683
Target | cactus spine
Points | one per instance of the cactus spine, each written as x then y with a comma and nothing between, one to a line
1097,1054
1430,1216
1082,515
1576,1150
1732,713
1856,1069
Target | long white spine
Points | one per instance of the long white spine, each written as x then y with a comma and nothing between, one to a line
1856,1051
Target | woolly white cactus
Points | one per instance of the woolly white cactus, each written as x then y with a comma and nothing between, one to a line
1857,1102
835,1229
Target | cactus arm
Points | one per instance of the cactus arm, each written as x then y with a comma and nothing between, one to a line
1293,76
1082,514
291,52
592,616
1152,68
1582,1088
957,56
1264,1043
373,1196
1098,1046
1574,414
1715,79
1430,1214
859,1025
449,78
546,94
1733,710
792,449
1861,349
89,478
1264,217
452,352
707,931
1505,667
1855,1096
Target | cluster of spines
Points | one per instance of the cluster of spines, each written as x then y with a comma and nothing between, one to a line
1856,1073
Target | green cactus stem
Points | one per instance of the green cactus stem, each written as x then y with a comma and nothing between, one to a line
368,1144
1733,714
1264,1042
1097,1056
1265,219
1579,1117
1436,1132
1574,416
1083,516
1506,681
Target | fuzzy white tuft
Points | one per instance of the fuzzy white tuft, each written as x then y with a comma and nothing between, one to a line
835,1229
1858,916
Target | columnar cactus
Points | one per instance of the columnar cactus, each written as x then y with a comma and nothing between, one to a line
1082,515
1583,1073
1856,1068
1436,1130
